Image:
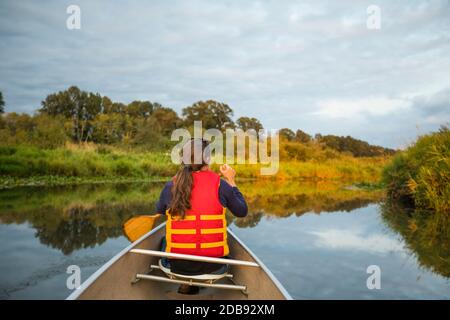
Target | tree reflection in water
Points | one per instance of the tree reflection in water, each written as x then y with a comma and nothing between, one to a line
426,234
74,217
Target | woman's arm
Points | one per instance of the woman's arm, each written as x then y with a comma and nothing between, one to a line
233,199
229,194
164,199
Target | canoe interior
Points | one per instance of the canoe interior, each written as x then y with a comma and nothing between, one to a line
116,281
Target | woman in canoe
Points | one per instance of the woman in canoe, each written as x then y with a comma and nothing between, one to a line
195,201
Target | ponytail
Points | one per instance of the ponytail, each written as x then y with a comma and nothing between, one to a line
181,192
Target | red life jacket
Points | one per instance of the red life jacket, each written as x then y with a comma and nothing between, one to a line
203,231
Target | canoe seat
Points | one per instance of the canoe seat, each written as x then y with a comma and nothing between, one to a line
204,280
211,277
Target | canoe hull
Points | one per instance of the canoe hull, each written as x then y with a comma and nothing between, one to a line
115,279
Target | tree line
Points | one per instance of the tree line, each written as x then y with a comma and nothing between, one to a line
81,116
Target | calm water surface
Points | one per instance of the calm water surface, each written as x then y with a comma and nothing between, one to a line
318,239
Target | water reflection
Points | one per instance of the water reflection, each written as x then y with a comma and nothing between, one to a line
426,235
76,217
313,224
71,218
283,200
355,240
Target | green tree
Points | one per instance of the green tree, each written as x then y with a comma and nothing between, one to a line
16,128
48,132
41,130
246,123
110,107
213,114
140,109
354,146
2,103
302,136
153,133
165,120
92,108
287,134
128,127
107,128
79,106
106,105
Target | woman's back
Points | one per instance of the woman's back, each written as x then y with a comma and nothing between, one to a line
202,230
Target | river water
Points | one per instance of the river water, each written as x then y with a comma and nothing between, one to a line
318,239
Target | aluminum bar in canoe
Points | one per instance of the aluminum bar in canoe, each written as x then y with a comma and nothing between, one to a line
192,283
194,258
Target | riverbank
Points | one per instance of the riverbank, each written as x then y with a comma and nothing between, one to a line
51,181
90,163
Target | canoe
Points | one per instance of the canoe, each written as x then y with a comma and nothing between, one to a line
135,273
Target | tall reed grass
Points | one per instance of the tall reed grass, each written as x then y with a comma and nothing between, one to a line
421,174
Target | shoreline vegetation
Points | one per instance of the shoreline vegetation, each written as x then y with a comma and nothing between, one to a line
90,163
80,137
419,176
417,207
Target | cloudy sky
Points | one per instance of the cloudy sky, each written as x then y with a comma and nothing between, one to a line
312,65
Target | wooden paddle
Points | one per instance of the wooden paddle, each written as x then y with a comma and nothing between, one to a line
136,227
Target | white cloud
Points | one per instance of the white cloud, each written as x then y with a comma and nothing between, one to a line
356,240
356,108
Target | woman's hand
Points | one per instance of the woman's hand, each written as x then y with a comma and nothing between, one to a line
228,173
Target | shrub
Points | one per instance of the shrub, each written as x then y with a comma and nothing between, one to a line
7,151
123,168
12,167
421,174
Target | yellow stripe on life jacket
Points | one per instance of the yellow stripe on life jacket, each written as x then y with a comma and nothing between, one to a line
183,245
210,231
212,244
211,217
183,231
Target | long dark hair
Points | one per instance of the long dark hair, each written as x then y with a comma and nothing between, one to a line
183,180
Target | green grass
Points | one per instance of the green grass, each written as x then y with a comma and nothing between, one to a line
90,163
345,168
11,182
421,174
82,162
370,185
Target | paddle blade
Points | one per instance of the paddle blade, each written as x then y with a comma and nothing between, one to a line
136,227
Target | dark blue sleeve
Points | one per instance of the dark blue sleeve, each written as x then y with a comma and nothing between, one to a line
233,199
164,198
